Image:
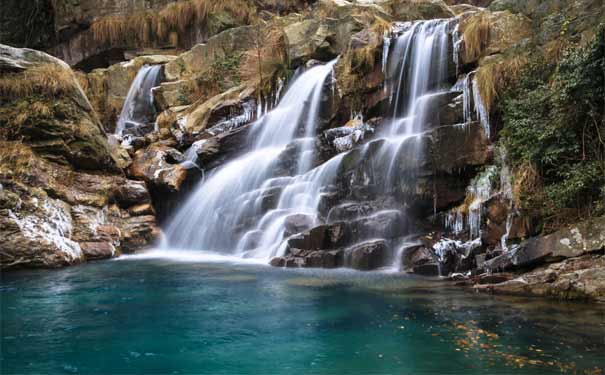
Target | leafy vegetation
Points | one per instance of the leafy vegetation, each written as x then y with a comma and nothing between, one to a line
554,131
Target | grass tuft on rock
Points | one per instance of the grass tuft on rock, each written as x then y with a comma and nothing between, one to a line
45,80
167,25
475,33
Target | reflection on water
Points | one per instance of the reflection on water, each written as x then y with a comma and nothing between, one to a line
156,315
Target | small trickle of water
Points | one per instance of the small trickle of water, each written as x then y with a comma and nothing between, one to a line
138,113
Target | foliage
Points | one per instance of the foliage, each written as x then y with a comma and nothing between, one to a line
554,131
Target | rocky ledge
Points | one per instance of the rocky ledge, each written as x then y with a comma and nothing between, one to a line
63,197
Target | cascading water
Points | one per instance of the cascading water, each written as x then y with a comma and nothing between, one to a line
247,207
242,206
138,113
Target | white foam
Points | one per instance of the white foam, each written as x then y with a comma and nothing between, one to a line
190,256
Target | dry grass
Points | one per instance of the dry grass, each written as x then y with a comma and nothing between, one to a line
493,78
475,32
167,25
527,182
553,50
45,80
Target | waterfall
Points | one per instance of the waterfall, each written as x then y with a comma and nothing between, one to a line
251,206
241,207
417,73
138,113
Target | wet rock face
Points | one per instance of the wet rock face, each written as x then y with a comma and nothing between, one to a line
416,257
368,256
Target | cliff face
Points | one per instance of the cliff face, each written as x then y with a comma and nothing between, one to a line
470,196
91,34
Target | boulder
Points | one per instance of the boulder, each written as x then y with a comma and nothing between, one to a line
201,57
428,269
36,231
417,256
160,167
367,256
138,232
132,193
323,237
310,39
204,114
98,250
298,223
324,259
580,278
55,118
144,209
574,241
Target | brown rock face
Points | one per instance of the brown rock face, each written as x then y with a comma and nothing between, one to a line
54,210
581,278
159,166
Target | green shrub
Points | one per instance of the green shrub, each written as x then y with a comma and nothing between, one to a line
554,122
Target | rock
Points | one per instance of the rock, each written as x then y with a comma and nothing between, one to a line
201,57
98,250
322,237
456,256
298,223
429,269
417,10
576,240
200,115
367,256
581,278
324,259
416,256
310,39
160,167
138,232
141,210
493,278
132,193
55,120
277,262
173,94
37,233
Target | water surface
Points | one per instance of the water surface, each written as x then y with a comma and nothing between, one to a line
211,315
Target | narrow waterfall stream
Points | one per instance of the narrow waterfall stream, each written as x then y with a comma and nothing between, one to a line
138,112
251,206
